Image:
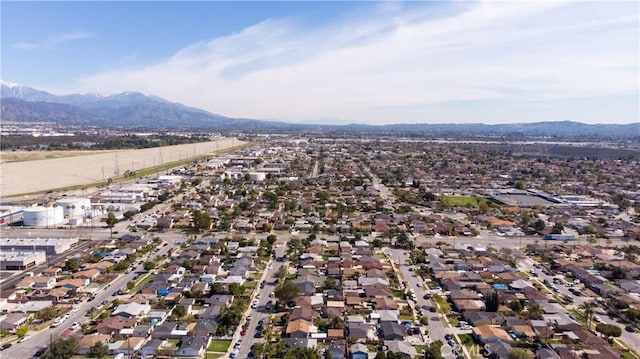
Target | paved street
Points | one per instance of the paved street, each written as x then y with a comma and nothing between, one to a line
256,315
436,328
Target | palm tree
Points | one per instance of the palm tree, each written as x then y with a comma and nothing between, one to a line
535,311
588,312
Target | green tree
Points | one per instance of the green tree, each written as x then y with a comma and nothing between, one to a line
111,222
609,330
516,306
131,285
380,355
587,312
557,228
492,301
62,349
149,265
282,272
539,225
47,313
98,350
286,291
72,265
519,353
179,312
201,220
22,331
535,311
483,207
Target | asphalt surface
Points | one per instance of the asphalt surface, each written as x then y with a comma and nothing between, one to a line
259,313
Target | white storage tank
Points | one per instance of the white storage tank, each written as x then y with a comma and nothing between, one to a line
74,207
42,216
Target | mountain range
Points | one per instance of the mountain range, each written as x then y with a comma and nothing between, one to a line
134,110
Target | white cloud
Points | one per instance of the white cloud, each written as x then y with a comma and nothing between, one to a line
54,40
399,65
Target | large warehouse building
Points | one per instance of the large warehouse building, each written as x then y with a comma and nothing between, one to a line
47,245
21,260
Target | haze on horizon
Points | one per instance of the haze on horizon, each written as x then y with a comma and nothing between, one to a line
353,62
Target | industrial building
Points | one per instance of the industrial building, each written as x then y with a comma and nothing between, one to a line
40,216
74,207
21,260
10,215
47,245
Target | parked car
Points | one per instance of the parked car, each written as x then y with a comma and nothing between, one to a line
40,352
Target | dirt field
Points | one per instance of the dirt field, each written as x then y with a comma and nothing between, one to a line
30,176
19,156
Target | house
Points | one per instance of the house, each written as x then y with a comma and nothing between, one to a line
305,313
188,304
113,325
359,330
402,348
13,320
205,327
298,328
359,351
193,346
164,330
393,331
74,284
90,274
128,346
544,353
490,334
87,341
498,350
151,348
377,291
131,310
337,351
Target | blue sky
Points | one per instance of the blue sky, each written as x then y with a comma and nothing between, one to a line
340,62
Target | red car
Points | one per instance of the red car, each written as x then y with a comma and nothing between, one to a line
243,331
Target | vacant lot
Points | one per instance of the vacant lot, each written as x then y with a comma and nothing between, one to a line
19,156
45,174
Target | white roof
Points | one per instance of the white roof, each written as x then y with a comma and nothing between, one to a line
134,309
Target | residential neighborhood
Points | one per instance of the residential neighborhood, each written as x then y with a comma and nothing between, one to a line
304,247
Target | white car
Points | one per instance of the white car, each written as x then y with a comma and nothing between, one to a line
24,339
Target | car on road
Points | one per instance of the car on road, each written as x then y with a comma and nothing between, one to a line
243,331
5,346
269,305
630,329
40,352
258,335
24,339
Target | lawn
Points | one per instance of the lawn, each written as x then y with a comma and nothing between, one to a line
461,201
453,321
214,355
219,345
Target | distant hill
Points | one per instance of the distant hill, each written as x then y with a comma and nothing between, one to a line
134,110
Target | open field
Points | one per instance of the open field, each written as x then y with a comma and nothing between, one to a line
32,176
19,156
